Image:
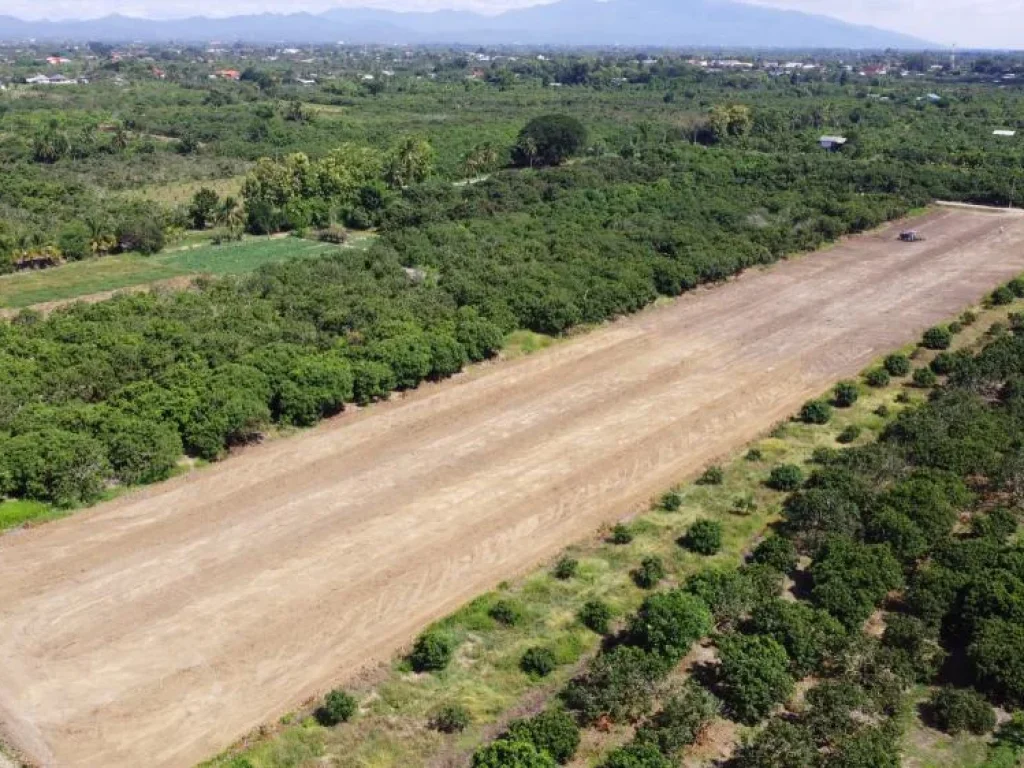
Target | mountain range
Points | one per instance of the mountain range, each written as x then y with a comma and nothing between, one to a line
670,23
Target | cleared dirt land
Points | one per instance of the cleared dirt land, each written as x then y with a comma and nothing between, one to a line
155,630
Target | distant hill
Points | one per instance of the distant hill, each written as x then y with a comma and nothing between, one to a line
706,23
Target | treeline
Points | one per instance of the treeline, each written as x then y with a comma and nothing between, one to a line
916,531
210,368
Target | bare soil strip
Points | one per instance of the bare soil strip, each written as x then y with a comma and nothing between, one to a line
157,629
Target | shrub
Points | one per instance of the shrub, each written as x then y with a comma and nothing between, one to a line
451,718
816,412
924,378
142,232
943,364
637,756
507,612
63,468
997,655
333,234
753,676
785,477
849,434
538,661
877,377
776,552
968,318
433,651
1016,287
75,241
565,568
553,731
781,744
882,411
1002,296
618,684
338,707
851,578
621,534
755,454
897,365
504,753
650,572
671,501
669,622
704,537
956,327
845,394
955,710
713,475
680,720
596,615
937,338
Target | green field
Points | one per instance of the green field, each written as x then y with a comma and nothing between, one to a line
112,273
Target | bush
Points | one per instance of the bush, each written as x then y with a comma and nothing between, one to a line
956,710
669,622
1002,296
621,534
432,652
704,537
943,364
776,552
845,394
565,568
816,412
596,615
1016,287
781,744
937,338
671,501
755,454
451,718
142,232
897,365
851,579
877,377
338,707
924,378
713,475
618,684
538,661
504,753
753,676
650,572
507,612
637,756
75,241
849,434
785,477
680,720
882,411
553,731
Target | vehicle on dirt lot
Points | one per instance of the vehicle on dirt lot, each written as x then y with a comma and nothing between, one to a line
910,236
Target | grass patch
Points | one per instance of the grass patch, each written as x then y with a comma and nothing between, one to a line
18,512
521,343
111,273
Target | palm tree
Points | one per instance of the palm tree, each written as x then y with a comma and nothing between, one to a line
410,162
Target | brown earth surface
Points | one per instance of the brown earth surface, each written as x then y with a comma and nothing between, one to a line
157,629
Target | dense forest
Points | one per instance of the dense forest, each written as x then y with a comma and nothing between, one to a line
901,562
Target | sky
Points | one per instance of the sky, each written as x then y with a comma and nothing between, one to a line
966,23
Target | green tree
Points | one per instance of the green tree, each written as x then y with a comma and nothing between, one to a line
505,753
409,163
338,707
202,209
433,651
753,676
549,140
956,710
704,537
669,622
553,731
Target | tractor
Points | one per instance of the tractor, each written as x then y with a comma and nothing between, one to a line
910,236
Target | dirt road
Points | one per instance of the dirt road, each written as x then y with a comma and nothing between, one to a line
157,629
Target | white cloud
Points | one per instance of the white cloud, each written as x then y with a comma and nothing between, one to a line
967,23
